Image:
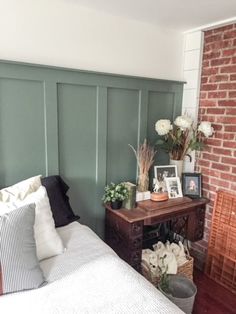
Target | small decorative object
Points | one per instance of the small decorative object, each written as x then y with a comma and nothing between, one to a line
115,194
130,201
182,137
173,187
159,197
160,173
145,158
191,184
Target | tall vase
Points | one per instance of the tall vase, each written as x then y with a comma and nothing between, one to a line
179,164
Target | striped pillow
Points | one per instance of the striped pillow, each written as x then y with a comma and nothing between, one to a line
19,266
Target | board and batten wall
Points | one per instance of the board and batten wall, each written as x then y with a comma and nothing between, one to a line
78,124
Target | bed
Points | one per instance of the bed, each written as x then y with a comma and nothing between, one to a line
88,277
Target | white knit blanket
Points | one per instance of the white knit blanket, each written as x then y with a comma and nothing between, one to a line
88,278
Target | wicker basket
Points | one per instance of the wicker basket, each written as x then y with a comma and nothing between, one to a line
186,269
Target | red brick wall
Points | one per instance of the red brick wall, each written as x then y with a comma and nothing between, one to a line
217,162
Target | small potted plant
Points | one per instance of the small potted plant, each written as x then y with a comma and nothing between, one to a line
115,194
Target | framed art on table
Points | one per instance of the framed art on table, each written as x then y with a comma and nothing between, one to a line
191,184
162,172
173,187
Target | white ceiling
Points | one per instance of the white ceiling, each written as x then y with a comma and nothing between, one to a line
182,15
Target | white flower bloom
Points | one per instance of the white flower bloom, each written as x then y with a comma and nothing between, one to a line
183,122
206,128
163,126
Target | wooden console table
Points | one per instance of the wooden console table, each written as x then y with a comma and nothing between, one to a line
124,228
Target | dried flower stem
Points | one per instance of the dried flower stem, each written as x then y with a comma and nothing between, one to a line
145,157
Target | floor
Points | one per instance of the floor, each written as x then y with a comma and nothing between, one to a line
212,298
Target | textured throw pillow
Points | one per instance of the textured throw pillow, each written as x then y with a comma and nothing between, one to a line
59,201
19,266
48,241
20,190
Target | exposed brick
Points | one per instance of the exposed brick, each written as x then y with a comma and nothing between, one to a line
228,161
234,170
213,38
229,52
223,61
211,157
230,128
231,111
233,60
229,34
203,95
228,144
227,86
222,151
228,177
226,120
220,167
227,103
209,87
232,94
217,127
217,94
216,78
219,183
213,142
223,28
204,79
210,71
233,77
205,63
207,103
204,163
223,135
228,69
215,111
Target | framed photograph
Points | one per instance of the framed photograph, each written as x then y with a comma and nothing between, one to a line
173,187
160,173
192,184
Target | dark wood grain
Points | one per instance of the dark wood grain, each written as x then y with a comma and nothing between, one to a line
124,229
211,297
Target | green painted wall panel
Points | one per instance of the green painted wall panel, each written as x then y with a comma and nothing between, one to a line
77,145
78,124
122,129
22,130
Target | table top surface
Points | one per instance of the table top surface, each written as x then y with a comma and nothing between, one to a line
146,210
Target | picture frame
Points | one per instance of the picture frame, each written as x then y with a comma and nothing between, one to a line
174,188
192,184
160,173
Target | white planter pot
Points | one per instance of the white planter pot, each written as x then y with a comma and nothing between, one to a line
179,165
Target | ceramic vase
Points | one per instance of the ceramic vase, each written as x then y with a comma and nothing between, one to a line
179,164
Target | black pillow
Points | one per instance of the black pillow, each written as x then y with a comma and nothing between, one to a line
59,201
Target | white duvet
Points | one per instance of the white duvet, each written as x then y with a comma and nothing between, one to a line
88,278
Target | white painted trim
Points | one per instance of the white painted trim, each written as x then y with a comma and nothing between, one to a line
209,26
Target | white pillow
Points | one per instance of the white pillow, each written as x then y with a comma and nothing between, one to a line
20,190
48,242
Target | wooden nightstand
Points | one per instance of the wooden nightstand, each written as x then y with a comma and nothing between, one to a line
124,229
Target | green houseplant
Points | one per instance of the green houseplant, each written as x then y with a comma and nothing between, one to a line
115,194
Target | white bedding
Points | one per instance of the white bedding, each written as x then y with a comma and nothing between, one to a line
88,278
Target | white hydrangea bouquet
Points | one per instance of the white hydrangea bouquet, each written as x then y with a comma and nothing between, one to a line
182,137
